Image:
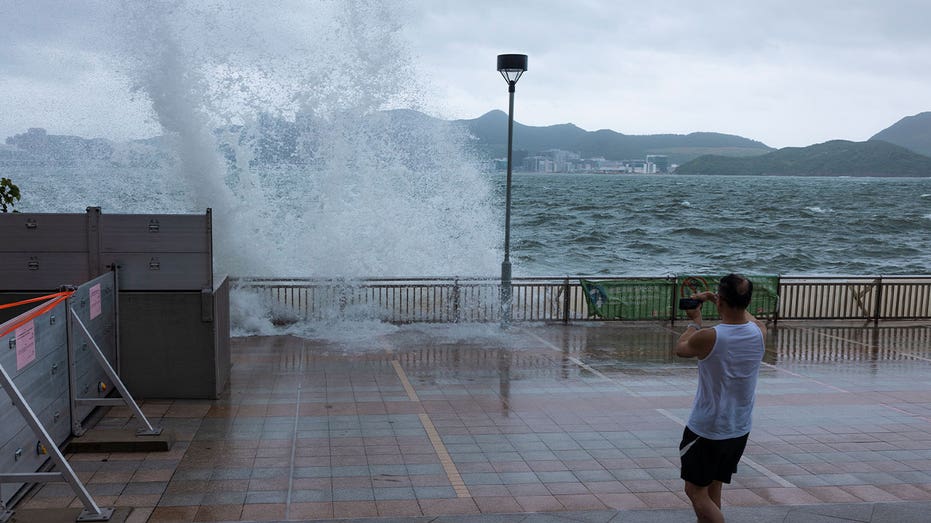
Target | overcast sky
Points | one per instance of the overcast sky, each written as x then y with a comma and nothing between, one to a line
786,72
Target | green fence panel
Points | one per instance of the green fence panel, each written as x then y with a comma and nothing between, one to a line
657,298
640,299
764,304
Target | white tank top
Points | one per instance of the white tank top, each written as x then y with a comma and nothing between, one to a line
727,377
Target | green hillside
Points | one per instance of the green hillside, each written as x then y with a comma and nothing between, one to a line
911,132
834,158
490,131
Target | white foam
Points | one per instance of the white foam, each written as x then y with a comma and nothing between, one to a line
817,210
253,314
365,196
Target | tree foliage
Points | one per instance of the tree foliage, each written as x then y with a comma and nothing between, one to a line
9,194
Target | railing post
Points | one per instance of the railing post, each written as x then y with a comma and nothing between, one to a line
456,302
778,300
877,309
673,301
565,301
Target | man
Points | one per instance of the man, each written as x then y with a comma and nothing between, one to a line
729,357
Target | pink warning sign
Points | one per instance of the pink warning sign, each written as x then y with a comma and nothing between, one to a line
95,301
25,345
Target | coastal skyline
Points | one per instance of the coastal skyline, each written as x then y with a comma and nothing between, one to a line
786,73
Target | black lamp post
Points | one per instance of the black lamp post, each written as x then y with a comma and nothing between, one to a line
511,67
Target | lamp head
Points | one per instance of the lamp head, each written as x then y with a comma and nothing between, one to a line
512,66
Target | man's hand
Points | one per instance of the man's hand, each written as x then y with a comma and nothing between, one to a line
697,343
695,314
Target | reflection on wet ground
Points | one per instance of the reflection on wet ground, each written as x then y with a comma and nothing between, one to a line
470,419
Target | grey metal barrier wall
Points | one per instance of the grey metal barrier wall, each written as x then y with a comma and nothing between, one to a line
35,356
442,300
95,304
165,267
59,365
153,251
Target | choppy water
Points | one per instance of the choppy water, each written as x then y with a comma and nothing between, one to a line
561,224
601,224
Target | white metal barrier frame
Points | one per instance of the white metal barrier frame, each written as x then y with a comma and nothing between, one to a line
92,327
41,345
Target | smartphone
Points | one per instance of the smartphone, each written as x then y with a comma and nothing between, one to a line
689,303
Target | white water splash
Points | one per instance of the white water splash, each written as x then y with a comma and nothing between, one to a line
817,210
361,193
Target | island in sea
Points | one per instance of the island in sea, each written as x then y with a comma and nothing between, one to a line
833,158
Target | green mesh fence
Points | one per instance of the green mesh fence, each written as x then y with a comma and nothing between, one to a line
764,303
657,298
644,299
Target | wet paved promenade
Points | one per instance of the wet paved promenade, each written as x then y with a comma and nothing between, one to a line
540,423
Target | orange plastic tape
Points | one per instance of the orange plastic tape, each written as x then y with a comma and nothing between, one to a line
32,300
61,296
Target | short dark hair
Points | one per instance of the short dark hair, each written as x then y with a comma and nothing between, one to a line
736,290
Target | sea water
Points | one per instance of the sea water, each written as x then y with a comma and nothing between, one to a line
562,224
657,224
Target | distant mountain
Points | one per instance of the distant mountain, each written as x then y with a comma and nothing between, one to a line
41,147
275,141
911,132
834,158
37,148
490,131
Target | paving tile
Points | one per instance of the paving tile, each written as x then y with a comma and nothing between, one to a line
786,496
137,500
310,510
434,492
354,509
832,495
46,502
907,492
218,513
580,501
263,511
538,503
742,497
180,500
139,515
164,514
644,485
871,493
622,501
497,504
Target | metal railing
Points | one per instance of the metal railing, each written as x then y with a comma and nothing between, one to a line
476,300
855,297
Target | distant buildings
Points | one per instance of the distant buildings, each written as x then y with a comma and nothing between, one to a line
560,161
657,163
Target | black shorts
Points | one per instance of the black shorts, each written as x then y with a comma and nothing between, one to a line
706,460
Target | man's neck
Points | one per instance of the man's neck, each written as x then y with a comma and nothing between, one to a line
733,316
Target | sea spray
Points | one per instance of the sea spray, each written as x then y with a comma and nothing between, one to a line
311,126
306,173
